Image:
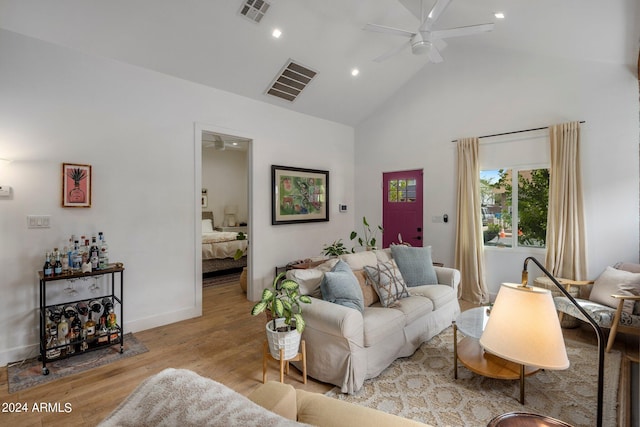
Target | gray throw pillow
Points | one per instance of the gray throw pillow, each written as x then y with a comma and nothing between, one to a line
388,282
415,264
340,286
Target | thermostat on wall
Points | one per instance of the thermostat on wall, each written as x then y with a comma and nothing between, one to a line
5,191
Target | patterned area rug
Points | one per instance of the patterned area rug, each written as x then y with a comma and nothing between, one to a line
422,388
28,373
221,279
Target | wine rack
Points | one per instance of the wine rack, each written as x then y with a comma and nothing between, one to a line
113,293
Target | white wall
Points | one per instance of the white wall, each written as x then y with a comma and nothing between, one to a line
224,175
473,94
136,128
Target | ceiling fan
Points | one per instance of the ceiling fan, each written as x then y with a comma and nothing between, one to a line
425,39
222,142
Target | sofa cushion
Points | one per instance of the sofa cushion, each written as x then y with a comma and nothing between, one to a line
380,322
439,295
414,307
607,284
368,291
628,266
309,279
358,260
340,286
388,282
630,289
415,264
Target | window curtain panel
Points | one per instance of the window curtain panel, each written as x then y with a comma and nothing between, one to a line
566,240
469,252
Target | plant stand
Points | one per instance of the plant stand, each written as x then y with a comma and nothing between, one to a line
284,364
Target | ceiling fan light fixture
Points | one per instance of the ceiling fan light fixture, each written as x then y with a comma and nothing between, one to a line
421,47
499,15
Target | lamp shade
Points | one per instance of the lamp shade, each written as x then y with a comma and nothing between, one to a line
231,209
523,327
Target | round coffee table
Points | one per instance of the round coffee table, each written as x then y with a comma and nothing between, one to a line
469,352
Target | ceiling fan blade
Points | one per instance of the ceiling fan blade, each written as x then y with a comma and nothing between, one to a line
460,31
434,14
392,52
434,55
387,30
439,44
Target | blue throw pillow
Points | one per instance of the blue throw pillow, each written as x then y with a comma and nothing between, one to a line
415,265
341,286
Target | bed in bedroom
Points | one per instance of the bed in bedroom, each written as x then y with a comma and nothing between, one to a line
219,248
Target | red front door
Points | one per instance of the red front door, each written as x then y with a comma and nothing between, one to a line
402,207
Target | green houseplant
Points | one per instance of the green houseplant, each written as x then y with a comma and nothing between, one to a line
284,330
368,240
335,249
284,301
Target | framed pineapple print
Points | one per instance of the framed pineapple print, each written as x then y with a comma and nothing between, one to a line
76,185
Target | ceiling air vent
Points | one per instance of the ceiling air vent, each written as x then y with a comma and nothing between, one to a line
254,9
290,81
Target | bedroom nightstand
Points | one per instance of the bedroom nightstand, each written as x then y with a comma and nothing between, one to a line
242,229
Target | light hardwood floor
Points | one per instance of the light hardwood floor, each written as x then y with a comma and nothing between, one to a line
224,344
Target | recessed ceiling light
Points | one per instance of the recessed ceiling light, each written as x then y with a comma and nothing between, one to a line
499,15
276,33
355,72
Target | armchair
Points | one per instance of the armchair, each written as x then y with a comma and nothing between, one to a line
614,301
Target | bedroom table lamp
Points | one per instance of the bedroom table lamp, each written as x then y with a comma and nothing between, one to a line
230,212
523,327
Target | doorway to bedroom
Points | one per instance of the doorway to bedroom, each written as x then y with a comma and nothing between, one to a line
225,207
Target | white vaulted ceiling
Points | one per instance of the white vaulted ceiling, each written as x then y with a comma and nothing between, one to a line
209,42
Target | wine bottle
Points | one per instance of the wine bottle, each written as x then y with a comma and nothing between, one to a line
57,267
47,269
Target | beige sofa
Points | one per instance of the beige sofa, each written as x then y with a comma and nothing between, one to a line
346,346
319,410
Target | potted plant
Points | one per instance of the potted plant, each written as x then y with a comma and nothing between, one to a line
335,249
368,241
284,301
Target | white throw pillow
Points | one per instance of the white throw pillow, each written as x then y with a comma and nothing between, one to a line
608,284
207,226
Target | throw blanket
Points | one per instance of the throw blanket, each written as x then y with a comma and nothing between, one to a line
179,397
219,236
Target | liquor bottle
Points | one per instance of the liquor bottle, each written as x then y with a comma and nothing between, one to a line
63,331
112,326
47,269
103,257
64,259
76,256
76,330
94,254
90,327
57,267
103,333
84,250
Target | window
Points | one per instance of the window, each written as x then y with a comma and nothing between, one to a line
402,190
514,199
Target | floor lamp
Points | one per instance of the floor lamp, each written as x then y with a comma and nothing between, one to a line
523,327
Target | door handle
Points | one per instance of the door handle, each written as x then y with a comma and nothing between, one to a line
418,237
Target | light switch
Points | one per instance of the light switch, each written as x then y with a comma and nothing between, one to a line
5,191
38,221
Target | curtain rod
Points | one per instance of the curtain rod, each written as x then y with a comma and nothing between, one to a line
515,131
